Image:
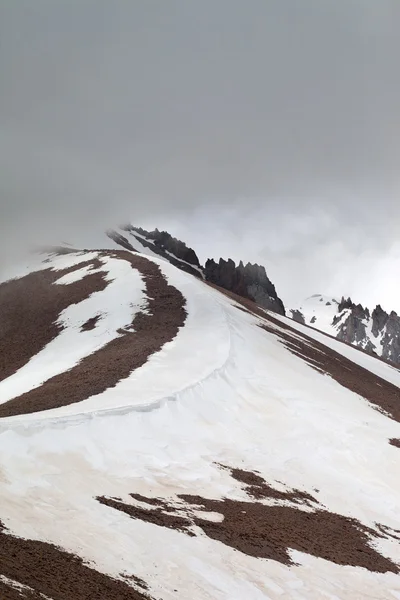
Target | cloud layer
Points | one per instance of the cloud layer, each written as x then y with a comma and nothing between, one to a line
271,125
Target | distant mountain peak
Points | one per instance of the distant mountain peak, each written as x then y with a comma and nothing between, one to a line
376,331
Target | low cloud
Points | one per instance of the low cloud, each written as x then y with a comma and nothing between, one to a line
266,131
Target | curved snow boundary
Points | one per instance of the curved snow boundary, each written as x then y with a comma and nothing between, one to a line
265,410
117,305
148,332
200,351
372,364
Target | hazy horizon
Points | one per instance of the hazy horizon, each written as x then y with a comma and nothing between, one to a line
263,131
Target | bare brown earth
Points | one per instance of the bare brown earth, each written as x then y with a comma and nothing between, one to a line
259,489
103,369
59,575
263,531
90,323
30,307
161,513
9,592
395,442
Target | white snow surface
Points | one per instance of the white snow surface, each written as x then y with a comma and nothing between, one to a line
223,391
319,311
116,307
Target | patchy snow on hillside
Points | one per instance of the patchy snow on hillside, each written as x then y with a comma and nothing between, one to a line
113,308
223,392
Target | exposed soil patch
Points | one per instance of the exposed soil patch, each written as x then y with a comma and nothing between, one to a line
10,592
388,532
269,532
57,574
395,442
115,361
90,323
258,488
30,307
162,515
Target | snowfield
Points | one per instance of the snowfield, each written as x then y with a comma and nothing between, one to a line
227,392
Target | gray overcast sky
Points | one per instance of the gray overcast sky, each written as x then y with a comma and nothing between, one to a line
266,130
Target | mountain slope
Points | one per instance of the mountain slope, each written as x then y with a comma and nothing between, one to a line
374,331
184,443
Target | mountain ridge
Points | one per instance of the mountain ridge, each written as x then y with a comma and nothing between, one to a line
250,280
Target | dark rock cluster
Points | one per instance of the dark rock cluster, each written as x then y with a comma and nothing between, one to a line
165,241
298,316
354,329
161,243
385,329
249,281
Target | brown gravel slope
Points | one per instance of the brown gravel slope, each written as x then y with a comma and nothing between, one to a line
115,361
263,531
55,573
30,307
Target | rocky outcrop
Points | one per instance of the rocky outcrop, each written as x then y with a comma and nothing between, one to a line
353,330
379,319
164,241
120,240
376,332
249,281
296,315
390,333
161,243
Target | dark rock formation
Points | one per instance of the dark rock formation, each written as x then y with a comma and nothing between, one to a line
384,339
249,281
120,240
164,241
163,244
298,316
391,339
354,329
379,319
376,332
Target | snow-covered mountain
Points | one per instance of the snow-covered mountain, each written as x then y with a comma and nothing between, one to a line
164,438
376,331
